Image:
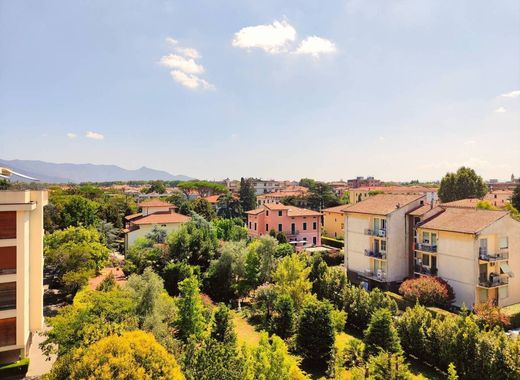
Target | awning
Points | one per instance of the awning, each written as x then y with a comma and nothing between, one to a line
504,268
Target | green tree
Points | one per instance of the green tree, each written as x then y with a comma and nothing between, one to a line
156,187
173,273
291,278
133,355
247,194
78,211
315,336
230,229
381,334
202,207
228,206
388,366
141,255
266,250
223,329
515,199
203,188
157,235
465,183
413,329
191,321
285,318
321,196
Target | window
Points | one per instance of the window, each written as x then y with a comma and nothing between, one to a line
434,239
255,226
314,240
483,295
305,226
293,228
7,332
250,224
8,295
7,260
267,227
503,243
267,213
280,228
426,260
280,213
383,245
342,225
8,225
314,225
426,237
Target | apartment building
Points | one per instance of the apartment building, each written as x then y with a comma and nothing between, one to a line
296,192
361,193
334,221
21,270
377,235
476,251
269,186
301,226
363,182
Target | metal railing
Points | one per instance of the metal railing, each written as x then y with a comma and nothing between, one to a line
381,232
426,247
421,269
375,254
502,254
493,280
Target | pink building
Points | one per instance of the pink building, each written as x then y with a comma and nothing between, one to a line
301,226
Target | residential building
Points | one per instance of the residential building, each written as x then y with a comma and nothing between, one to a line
264,187
362,193
476,251
499,198
21,270
301,226
334,221
153,213
377,235
296,192
363,182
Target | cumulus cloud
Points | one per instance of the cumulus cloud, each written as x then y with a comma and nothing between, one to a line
512,94
315,46
500,110
185,68
272,38
94,135
187,65
190,81
71,135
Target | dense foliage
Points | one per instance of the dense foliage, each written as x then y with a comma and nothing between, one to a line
465,183
428,291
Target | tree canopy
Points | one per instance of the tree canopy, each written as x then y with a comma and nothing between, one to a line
465,183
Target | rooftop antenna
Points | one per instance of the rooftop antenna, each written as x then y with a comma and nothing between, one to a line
6,173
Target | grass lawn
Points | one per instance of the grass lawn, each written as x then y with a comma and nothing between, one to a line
245,332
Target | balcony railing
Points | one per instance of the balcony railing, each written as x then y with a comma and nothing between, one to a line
421,269
502,254
375,254
426,247
381,232
380,275
492,281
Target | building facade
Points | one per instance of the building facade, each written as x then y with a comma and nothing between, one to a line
21,270
334,222
476,251
301,226
377,235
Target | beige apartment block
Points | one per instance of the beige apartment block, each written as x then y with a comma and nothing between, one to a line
476,251
21,270
377,239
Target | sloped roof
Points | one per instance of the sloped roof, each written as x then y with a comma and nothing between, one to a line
133,216
162,218
383,204
291,210
462,203
339,209
155,203
464,220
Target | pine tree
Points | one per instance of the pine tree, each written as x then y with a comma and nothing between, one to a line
247,194
515,199
223,329
381,334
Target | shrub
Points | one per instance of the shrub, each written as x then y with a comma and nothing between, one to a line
489,315
428,291
340,244
513,313
381,334
15,370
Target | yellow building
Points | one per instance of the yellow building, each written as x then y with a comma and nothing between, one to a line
21,270
476,251
334,222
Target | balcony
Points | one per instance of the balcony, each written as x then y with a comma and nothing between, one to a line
381,232
492,281
484,255
379,276
293,234
426,247
421,269
375,254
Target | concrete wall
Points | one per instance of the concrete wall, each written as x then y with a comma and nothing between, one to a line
333,224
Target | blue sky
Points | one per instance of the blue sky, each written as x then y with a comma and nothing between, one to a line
398,89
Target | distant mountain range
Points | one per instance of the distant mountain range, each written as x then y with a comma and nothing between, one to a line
75,173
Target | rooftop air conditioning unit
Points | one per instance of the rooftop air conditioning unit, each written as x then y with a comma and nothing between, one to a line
382,233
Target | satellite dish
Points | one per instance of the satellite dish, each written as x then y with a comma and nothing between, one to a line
6,173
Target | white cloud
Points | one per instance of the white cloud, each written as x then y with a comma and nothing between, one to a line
188,52
315,46
187,65
186,70
272,38
94,135
71,135
190,81
512,94
500,110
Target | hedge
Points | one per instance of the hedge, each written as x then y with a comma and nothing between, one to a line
513,312
333,242
438,312
402,304
15,370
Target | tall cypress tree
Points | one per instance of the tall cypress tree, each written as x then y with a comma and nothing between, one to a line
247,194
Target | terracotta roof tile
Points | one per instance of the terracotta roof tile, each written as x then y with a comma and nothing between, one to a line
162,218
339,209
154,203
133,216
383,204
462,203
464,220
